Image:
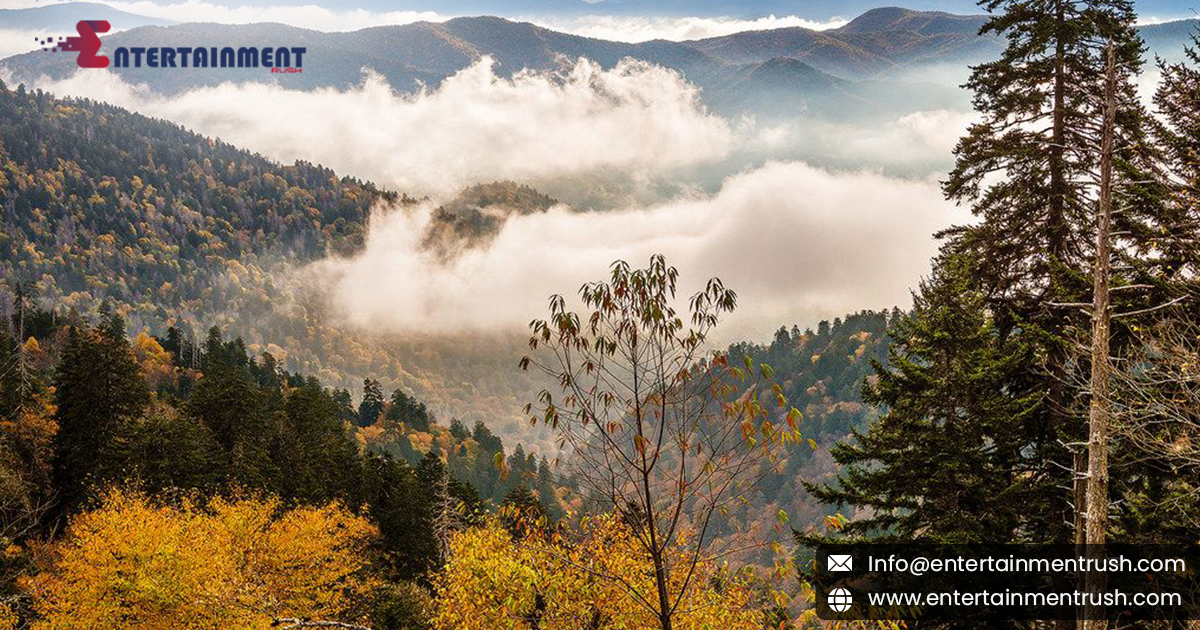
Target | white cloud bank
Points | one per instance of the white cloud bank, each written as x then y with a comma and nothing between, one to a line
917,144
17,41
635,121
796,242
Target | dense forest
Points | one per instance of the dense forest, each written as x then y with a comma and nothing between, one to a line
176,229
274,471
99,202
88,409
821,372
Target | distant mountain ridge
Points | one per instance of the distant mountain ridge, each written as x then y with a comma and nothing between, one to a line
849,71
877,41
63,17
425,53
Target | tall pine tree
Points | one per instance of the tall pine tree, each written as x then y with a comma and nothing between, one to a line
1028,170
951,444
98,386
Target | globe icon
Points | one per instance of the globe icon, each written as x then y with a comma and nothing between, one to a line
839,600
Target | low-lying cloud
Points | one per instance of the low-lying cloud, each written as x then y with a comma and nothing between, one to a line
17,41
634,122
797,242
731,198
915,145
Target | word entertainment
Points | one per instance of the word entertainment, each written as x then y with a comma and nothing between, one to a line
183,57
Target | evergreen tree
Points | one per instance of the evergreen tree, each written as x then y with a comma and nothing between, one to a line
372,403
947,461
174,344
521,510
396,503
1158,496
161,450
547,496
1177,132
488,441
345,403
409,411
231,405
317,460
1027,169
98,386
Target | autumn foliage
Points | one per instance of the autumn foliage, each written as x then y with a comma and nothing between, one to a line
592,577
136,563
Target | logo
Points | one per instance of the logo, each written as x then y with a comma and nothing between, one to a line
840,600
279,59
87,44
840,562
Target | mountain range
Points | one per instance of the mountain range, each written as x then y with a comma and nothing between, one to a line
63,17
873,65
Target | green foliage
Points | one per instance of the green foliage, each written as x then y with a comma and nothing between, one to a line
985,393
947,461
230,404
401,506
409,411
401,606
161,451
317,459
98,386
372,403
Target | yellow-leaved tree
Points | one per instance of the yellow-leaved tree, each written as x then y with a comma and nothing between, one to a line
246,563
590,578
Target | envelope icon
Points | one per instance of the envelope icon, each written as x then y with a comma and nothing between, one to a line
840,562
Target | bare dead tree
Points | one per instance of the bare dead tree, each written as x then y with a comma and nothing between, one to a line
668,434
447,517
1096,512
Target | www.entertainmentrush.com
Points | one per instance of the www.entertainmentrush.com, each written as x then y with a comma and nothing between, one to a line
1009,598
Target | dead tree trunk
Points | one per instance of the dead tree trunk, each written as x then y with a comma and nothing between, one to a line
1098,417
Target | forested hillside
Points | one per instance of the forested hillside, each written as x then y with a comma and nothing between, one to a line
86,409
178,229
822,373
99,202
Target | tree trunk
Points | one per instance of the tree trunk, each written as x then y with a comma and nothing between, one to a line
1055,245
1098,418
656,555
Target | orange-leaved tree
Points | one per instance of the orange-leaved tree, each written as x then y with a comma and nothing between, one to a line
244,563
668,434
580,579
